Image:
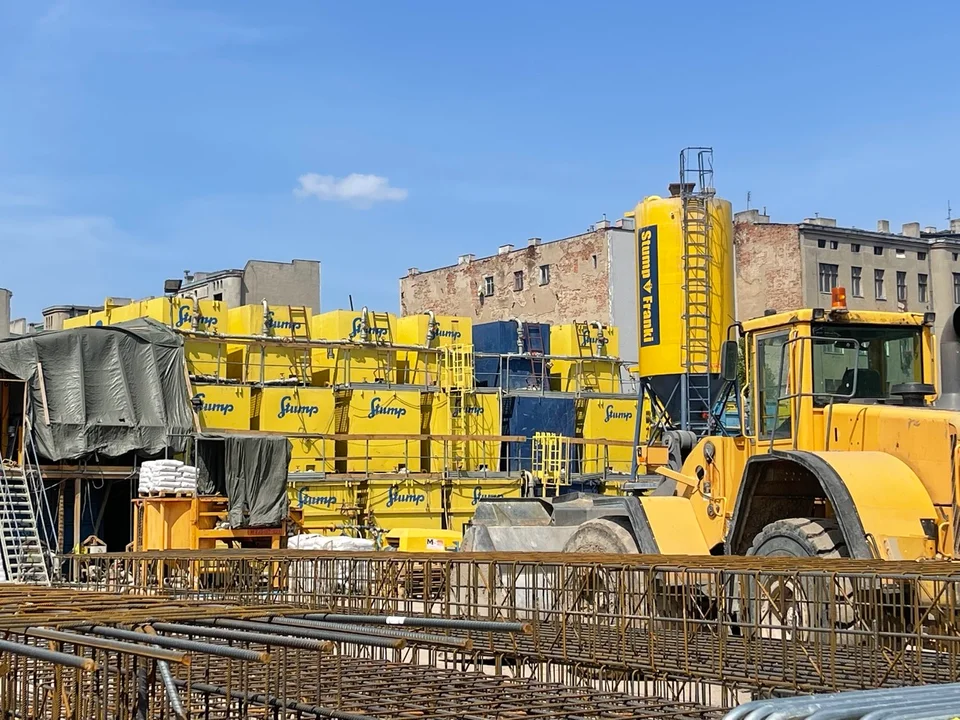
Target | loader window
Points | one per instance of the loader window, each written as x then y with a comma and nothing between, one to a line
883,357
773,413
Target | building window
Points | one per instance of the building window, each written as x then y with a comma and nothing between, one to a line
921,256
956,288
218,296
955,256
855,247
877,250
594,262
901,253
922,287
901,287
855,285
488,286
544,274
878,285
518,280
821,244
834,244
828,277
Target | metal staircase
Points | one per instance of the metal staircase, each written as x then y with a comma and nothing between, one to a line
696,194
22,550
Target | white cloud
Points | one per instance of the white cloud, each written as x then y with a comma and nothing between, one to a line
357,189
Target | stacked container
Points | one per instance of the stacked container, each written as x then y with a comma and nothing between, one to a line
440,331
223,407
481,416
599,348
527,416
299,410
508,337
611,419
254,363
381,412
373,362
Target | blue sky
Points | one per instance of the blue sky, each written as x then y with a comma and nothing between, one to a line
140,139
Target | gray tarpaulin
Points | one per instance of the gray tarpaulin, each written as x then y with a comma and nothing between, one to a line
108,390
251,470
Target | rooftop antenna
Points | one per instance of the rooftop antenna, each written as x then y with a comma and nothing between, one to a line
350,297
748,199
949,211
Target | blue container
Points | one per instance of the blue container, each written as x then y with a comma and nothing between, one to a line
514,373
529,415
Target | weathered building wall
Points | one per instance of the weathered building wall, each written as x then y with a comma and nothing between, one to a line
769,273
294,283
578,286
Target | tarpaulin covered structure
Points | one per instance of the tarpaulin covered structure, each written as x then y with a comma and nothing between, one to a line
104,391
251,470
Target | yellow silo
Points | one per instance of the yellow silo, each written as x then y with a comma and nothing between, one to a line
672,273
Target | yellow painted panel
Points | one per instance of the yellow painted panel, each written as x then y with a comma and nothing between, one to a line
408,503
674,526
295,410
423,540
565,340
890,500
225,407
660,271
325,504
384,412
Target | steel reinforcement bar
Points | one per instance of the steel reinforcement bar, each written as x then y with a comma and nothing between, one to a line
750,623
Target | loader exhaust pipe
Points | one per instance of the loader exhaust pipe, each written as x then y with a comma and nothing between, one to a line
950,363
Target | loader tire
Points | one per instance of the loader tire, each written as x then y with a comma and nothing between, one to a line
601,536
789,605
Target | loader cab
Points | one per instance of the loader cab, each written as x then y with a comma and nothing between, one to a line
799,365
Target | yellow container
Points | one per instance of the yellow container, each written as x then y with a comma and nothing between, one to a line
90,319
179,313
422,368
263,363
596,342
224,407
661,282
481,417
463,494
600,368
325,504
383,412
299,410
406,503
609,420
422,540
363,364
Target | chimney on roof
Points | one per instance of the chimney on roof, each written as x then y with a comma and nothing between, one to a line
533,242
883,226
911,229
822,221
465,259
955,225
601,224
625,224
504,249
413,271
930,230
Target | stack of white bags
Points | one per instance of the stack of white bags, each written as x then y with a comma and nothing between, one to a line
167,476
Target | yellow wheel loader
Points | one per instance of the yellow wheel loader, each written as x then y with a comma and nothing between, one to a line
841,454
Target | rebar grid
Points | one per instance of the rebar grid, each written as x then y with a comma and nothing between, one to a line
759,624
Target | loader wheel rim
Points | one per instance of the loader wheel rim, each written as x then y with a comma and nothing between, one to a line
781,609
